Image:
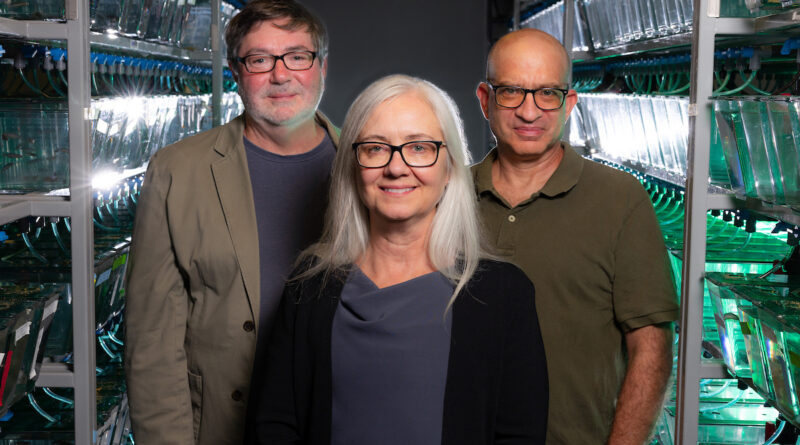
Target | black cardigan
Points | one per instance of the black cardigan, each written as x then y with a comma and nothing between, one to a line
496,390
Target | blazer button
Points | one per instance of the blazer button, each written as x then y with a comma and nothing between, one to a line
236,396
248,326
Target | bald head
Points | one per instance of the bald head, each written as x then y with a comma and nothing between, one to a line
528,44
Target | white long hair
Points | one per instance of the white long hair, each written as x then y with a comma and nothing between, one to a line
455,243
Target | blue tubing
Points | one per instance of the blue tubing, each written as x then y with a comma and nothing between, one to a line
726,405
39,409
717,392
114,339
105,348
61,399
777,433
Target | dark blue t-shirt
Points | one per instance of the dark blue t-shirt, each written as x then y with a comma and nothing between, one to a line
290,194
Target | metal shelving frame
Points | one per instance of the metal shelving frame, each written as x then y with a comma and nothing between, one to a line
75,30
707,26
79,204
700,197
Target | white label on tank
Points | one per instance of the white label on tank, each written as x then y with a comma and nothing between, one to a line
102,126
22,331
103,277
115,290
50,309
32,375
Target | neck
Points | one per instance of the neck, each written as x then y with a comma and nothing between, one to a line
516,177
397,252
284,139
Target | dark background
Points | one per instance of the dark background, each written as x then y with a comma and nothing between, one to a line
445,42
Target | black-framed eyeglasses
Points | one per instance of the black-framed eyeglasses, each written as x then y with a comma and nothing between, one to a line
264,63
547,99
414,154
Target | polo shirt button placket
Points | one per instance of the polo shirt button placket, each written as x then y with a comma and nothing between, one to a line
248,326
236,396
512,218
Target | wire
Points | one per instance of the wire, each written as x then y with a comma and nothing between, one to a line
755,88
61,399
789,85
57,235
717,392
30,85
63,79
111,337
723,406
39,86
39,409
104,227
778,266
53,84
777,433
742,86
32,250
722,83
103,345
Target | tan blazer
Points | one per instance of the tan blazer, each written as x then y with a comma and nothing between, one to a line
193,292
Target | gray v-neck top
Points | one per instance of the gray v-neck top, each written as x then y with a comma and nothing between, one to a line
389,355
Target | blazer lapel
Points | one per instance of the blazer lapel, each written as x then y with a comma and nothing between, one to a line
232,180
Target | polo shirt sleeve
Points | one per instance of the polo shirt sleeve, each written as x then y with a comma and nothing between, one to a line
644,293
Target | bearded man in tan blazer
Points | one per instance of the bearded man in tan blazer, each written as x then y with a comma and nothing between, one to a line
221,217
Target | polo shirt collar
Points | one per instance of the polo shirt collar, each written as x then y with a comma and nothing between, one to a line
564,178
483,173
566,175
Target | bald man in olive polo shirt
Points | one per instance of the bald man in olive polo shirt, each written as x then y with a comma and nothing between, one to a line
588,238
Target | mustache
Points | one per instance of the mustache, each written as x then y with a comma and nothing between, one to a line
281,90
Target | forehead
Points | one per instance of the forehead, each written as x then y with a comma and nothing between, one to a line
407,113
269,36
528,66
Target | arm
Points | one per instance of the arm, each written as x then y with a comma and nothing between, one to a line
642,394
524,390
155,325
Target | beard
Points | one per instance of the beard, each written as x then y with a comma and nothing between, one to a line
303,106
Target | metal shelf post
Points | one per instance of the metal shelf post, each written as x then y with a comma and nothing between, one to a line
80,180
691,334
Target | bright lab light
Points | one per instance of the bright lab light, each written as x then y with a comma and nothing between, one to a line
105,180
135,107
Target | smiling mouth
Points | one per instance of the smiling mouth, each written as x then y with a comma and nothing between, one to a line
397,191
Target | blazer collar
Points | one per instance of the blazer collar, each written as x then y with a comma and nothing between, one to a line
233,131
235,192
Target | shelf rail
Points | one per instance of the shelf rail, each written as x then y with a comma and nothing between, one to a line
81,204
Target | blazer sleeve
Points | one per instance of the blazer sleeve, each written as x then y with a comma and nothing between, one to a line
276,418
155,324
524,391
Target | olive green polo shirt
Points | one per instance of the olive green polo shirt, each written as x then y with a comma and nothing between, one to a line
590,243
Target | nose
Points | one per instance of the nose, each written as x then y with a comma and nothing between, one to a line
279,73
396,166
528,111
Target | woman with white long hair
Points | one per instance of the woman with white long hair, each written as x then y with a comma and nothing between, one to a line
397,328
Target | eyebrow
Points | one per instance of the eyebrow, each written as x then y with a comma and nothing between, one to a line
407,138
265,51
